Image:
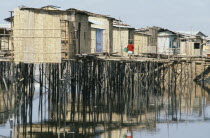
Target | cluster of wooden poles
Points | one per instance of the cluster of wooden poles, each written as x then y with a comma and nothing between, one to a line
78,97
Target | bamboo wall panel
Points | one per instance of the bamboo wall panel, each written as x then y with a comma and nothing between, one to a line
37,37
120,40
187,48
141,44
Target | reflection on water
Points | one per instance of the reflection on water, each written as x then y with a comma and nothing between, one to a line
103,100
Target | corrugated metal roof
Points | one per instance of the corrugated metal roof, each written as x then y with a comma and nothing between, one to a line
186,35
147,28
58,9
143,33
192,33
189,32
123,26
95,22
91,14
53,7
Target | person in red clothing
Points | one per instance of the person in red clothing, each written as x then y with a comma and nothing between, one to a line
130,48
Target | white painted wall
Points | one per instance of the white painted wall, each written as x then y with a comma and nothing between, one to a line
165,43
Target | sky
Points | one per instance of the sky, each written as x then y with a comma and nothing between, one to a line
176,15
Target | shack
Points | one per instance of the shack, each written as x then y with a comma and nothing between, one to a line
101,33
191,45
153,42
49,34
141,43
168,42
122,35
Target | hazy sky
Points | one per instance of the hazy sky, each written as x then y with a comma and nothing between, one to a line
177,15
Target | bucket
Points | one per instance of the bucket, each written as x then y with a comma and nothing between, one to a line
125,49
